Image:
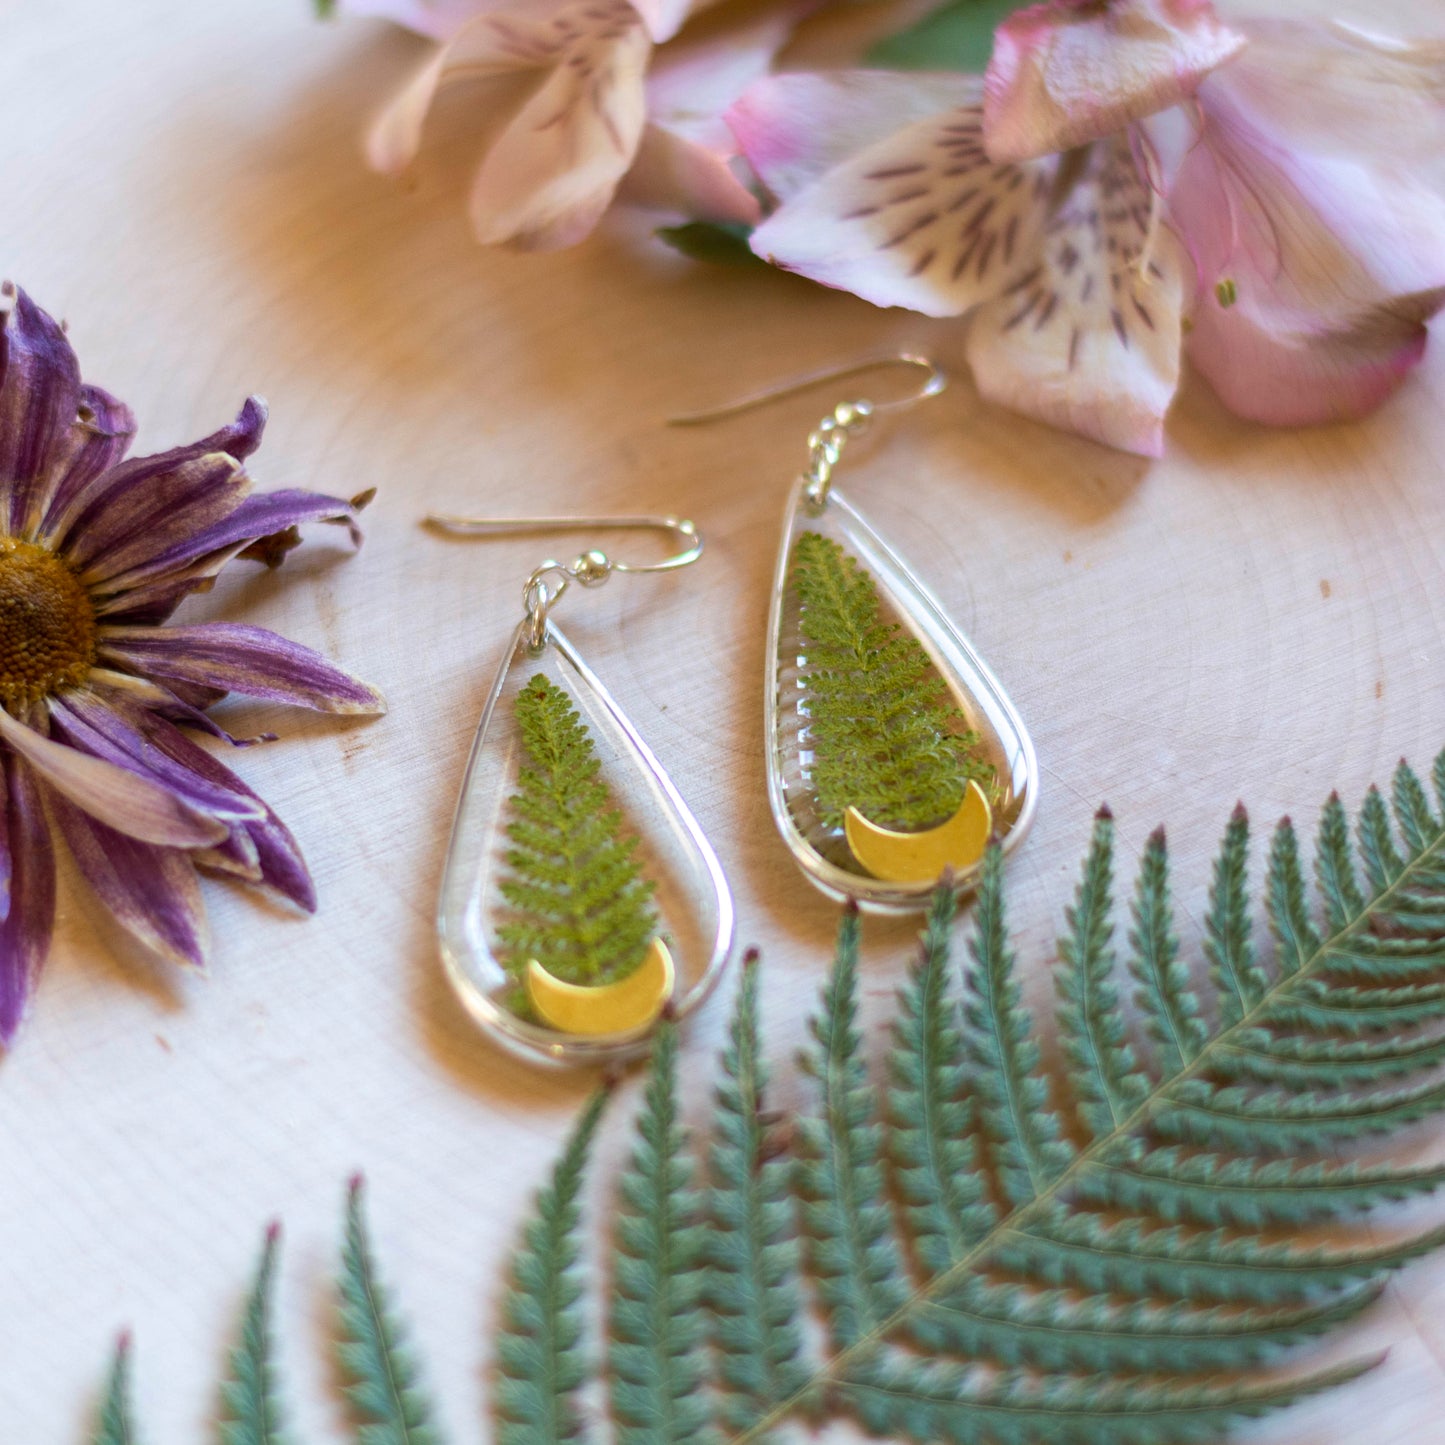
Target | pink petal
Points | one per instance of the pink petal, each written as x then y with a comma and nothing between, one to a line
30,915
684,162
239,658
1318,268
1089,339
795,128
503,38
664,18
920,218
554,170
118,797
440,19
1072,71
153,893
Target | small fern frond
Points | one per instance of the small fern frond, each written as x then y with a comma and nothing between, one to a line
1295,939
887,736
115,1420
1024,1136
752,1281
540,1360
933,1139
1106,1077
846,1218
658,1353
578,902
250,1397
383,1385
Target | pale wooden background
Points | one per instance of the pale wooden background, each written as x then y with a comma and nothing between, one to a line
1258,616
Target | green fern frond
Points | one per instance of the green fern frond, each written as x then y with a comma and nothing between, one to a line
579,903
887,737
383,1385
250,1397
540,1357
658,1354
752,1278
115,1420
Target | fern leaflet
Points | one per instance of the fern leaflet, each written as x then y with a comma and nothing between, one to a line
115,1422
250,1397
383,1388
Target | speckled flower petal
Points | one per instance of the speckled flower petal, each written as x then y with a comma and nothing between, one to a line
114,795
554,170
1089,338
132,527
920,219
1072,71
1319,265
239,658
153,893
85,721
30,917
39,397
74,509
282,869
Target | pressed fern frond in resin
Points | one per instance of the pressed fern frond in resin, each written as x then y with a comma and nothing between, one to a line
579,904
886,735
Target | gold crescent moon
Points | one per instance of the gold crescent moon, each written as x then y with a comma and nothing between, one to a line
605,1008
921,857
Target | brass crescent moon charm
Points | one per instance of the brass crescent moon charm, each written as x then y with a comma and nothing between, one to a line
631,1003
895,857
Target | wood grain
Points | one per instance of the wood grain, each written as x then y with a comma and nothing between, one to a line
1259,616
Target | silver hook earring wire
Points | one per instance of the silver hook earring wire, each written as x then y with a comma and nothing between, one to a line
829,438
590,568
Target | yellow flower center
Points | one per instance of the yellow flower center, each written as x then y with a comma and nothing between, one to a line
47,624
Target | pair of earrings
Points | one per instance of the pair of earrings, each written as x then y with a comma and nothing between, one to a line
581,898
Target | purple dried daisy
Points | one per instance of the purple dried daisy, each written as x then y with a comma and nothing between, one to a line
96,690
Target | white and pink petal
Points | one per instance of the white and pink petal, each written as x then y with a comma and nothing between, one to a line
1089,338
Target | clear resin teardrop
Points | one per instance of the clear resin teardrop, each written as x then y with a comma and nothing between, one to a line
581,898
893,751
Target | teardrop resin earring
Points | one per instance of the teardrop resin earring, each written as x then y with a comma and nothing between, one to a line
893,752
580,898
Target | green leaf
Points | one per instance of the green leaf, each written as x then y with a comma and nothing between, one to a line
325,9
718,243
887,735
577,899
115,1421
541,1359
658,1355
956,36
382,1382
250,1396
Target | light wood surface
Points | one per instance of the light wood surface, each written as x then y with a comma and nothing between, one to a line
1258,616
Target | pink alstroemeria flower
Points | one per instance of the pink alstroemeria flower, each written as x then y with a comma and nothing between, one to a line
1293,217
96,553
609,108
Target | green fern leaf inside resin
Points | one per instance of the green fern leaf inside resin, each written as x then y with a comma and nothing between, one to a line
578,901
888,739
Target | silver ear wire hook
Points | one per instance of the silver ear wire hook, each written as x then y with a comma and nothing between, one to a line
590,568
847,419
